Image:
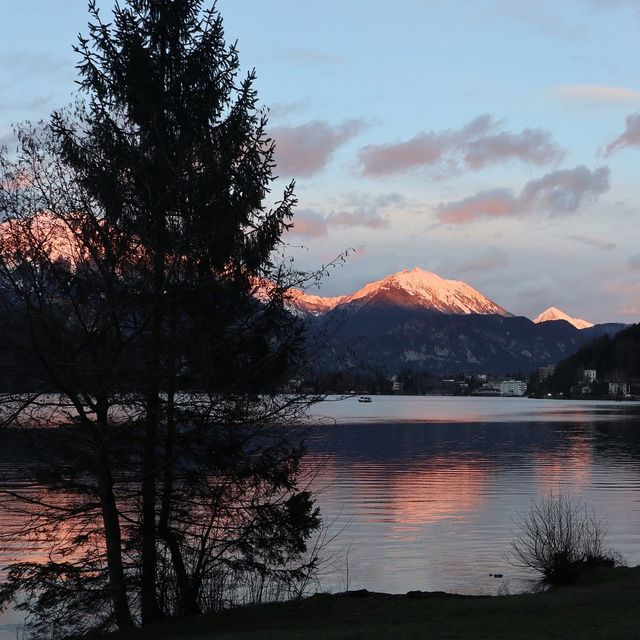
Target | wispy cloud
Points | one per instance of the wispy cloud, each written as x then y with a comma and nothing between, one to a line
557,193
630,137
309,57
314,224
590,241
608,5
354,210
476,145
492,259
539,18
634,262
595,95
279,110
307,149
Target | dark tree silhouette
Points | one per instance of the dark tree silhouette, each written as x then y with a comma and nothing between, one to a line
146,325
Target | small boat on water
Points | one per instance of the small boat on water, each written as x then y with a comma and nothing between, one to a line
364,399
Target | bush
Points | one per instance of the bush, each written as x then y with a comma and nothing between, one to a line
560,538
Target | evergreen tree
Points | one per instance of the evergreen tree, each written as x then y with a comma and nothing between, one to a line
136,270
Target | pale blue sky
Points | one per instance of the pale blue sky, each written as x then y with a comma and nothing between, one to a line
467,138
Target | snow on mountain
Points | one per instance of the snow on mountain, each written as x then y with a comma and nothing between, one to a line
553,313
313,303
409,288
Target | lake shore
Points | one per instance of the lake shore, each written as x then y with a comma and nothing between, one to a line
601,605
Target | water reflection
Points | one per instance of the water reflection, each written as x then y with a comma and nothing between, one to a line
430,504
424,490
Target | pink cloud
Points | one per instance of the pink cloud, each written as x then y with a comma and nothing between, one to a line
594,94
476,145
315,225
309,225
307,149
560,192
630,137
490,204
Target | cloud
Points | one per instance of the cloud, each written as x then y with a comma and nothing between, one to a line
493,259
539,18
314,224
476,145
597,243
564,191
356,210
630,137
307,149
612,4
360,251
279,110
309,224
494,203
560,192
309,57
593,94
380,201
634,262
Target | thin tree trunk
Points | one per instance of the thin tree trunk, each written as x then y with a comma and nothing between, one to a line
187,595
112,535
113,539
149,609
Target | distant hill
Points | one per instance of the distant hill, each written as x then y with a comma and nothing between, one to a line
388,338
613,356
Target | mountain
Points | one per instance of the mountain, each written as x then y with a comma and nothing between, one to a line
416,319
415,288
389,338
553,314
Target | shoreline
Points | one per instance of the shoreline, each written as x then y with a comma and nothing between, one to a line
603,604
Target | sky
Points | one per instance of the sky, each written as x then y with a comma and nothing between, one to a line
491,141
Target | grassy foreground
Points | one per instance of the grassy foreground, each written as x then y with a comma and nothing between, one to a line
604,605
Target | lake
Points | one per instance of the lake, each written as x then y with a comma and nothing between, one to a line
421,492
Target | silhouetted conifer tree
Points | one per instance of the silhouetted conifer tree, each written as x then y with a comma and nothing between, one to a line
148,318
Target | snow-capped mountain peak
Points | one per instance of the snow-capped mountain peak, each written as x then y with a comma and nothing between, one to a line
410,288
553,313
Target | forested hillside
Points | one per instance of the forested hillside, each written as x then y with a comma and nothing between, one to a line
615,357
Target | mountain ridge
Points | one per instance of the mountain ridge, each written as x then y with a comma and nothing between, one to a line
412,288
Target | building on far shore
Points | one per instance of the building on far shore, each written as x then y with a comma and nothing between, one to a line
619,389
513,387
544,373
589,375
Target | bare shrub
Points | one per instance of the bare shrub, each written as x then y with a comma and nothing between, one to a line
559,538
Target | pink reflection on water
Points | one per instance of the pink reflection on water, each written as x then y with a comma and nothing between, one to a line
555,474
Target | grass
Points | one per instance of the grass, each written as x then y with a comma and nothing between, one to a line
603,605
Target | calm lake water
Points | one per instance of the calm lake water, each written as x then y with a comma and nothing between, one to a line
424,490
421,492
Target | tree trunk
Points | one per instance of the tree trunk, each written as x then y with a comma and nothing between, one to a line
112,532
187,595
149,610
